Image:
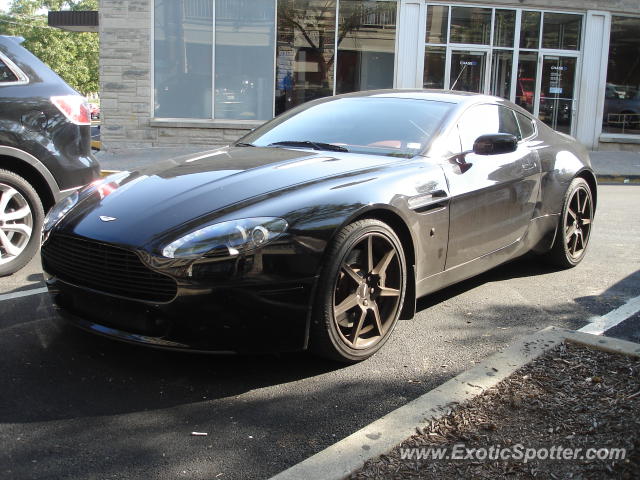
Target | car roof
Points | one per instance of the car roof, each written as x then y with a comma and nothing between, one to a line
449,96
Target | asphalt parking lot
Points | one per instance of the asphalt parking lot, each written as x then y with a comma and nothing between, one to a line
74,405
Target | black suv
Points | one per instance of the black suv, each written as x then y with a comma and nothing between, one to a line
45,149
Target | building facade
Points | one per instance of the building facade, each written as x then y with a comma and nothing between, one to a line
204,72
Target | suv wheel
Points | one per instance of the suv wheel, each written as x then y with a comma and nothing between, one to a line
21,217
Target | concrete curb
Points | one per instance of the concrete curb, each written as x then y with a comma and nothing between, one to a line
618,179
348,455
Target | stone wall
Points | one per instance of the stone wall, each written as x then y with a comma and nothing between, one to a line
126,90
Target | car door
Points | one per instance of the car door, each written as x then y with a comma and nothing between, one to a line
492,196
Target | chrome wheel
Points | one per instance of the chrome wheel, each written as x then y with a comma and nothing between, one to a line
368,291
16,223
577,221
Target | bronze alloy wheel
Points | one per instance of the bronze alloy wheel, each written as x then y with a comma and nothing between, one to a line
367,291
574,226
577,222
362,292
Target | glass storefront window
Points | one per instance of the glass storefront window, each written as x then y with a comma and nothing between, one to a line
305,51
434,67
530,30
470,25
183,53
501,73
556,92
366,45
561,31
504,28
622,93
244,56
468,71
526,81
437,23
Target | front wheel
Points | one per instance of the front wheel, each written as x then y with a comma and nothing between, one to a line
361,292
574,226
21,217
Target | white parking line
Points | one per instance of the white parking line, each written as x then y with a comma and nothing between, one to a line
599,325
25,293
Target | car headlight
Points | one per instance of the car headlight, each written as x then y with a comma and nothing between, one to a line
59,211
234,237
102,187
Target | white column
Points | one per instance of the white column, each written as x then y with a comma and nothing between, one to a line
410,44
593,77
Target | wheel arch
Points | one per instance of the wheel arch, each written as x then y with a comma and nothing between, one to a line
590,178
400,227
33,171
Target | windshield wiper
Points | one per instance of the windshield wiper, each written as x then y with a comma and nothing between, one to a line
308,143
244,144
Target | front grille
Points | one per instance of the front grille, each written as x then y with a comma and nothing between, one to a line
105,268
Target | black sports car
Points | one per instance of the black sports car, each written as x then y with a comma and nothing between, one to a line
319,229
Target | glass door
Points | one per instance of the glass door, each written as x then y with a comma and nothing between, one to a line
468,70
556,104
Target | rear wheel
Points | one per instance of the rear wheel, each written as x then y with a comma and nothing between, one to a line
21,217
574,229
361,292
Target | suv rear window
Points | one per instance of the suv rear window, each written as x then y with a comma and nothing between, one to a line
6,75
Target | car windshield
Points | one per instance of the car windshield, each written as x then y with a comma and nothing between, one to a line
376,125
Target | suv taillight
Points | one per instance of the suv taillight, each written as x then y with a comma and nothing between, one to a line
74,107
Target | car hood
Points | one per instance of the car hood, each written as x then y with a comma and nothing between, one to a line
184,193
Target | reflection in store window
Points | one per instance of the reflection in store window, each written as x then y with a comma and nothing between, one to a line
504,28
622,93
434,67
366,45
561,31
468,71
530,30
437,23
305,51
183,52
244,53
470,25
526,81
501,65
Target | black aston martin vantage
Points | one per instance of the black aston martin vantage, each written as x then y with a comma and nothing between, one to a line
321,228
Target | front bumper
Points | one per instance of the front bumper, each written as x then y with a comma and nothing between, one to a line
236,318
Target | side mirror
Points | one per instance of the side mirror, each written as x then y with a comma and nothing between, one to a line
495,144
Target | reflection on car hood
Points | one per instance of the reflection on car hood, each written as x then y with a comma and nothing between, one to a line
178,191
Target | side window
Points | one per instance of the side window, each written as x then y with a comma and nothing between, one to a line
478,120
508,123
526,125
6,75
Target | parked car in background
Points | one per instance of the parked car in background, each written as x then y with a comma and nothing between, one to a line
94,108
45,150
622,107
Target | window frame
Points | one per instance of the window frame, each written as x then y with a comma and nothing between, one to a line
21,77
213,122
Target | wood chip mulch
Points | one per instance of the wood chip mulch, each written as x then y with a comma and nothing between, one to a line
572,397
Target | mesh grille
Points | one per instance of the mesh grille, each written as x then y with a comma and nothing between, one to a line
105,268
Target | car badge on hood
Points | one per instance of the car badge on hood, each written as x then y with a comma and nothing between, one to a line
107,219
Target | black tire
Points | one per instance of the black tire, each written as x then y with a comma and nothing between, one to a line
574,226
373,283
17,247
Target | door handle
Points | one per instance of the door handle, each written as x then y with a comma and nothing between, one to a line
438,193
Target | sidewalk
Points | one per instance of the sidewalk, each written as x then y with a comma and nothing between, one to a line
616,167
610,167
